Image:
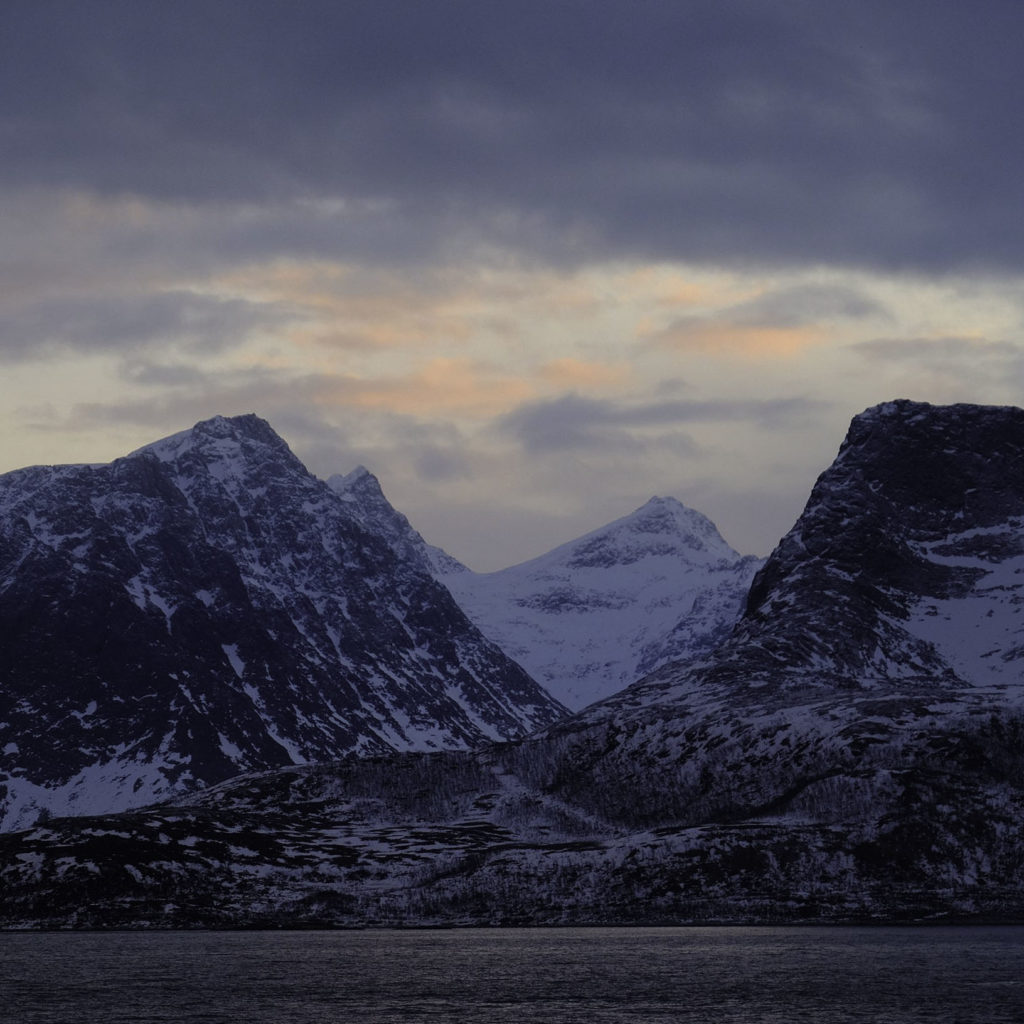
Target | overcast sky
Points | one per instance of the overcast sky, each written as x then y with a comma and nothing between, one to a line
530,263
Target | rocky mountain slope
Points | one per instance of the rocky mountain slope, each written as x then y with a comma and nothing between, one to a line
592,616
853,751
205,606
365,502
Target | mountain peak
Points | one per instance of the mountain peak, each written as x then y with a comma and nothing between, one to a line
591,616
661,526
946,462
904,563
365,497
918,420
673,514
241,453
239,429
657,505
358,485
247,425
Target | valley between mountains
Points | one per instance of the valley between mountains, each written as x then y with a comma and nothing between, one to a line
234,695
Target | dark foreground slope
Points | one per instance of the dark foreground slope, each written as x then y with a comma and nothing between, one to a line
206,606
854,751
459,838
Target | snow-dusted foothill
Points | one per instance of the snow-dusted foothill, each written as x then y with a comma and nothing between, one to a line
205,606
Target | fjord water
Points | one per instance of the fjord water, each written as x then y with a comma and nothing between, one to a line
592,975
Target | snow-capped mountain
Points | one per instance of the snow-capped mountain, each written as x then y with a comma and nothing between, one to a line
593,615
205,606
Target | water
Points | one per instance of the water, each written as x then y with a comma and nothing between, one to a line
591,975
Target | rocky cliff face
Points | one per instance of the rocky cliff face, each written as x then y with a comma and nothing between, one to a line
906,563
205,606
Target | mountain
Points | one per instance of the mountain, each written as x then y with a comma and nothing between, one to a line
591,616
905,570
852,751
204,607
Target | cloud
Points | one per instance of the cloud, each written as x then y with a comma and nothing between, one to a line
423,235
353,308
441,386
754,342
396,447
435,464
870,134
161,375
413,409
782,321
947,368
133,323
930,349
570,373
804,304
573,422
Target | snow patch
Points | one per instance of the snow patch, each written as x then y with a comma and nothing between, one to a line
118,783
231,653
230,750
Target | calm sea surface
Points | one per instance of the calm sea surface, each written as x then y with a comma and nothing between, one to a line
587,975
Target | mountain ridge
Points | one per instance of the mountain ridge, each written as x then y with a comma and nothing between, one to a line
825,763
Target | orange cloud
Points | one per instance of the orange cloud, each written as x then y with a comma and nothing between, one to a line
511,313
346,307
352,308
671,286
449,387
741,340
575,374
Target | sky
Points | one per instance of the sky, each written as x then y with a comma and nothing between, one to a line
530,263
